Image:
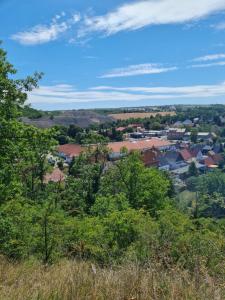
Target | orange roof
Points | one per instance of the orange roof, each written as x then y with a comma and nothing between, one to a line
186,155
71,149
139,145
209,162
217,158
121,128
214,160
56,176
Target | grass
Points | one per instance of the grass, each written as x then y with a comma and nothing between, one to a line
71,280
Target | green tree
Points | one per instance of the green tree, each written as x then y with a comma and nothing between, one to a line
17,229
192,170
145,188
13,134
194,135
87,171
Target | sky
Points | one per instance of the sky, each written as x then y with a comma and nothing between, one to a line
116,53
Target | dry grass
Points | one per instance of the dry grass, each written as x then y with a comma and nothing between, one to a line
126,116
79,280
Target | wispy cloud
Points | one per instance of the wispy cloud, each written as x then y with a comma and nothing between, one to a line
207,61
138,14
210,57
198,91
127,17
67,94
41,34
214,64
134,70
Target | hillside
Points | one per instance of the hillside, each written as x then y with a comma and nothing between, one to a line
81,118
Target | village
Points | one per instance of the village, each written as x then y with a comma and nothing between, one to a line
112,150
176,149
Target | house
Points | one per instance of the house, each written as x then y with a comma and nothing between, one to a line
196,149
199,157
217,158
137,135
206,149
121,129
56,176
176,133
201,136
213,160
210,163
188,123
178,124
140,145
171,160
154,133
204,136
196,120
183,171
135,125
184,145
186,155
187,136
69,151
218,148
150,157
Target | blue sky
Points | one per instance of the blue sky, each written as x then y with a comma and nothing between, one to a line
117,53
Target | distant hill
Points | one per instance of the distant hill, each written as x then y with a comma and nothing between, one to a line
81,118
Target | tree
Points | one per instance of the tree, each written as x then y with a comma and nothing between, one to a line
73,130
13,133
87,171
145,188
192,170
92,138
51,233
194,136
17,229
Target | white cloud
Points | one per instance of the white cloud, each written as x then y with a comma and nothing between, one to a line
41,34
67,94
141,69
214,64
198,91
209,57
139,14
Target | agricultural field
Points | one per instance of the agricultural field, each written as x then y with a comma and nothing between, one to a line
127,116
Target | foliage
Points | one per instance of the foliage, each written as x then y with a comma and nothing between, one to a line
104,212
193,171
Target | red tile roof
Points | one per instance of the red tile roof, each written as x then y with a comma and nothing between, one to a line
121,128
186,155
209,162
151,157
213,160
139,145
56,176
217,158
71,150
